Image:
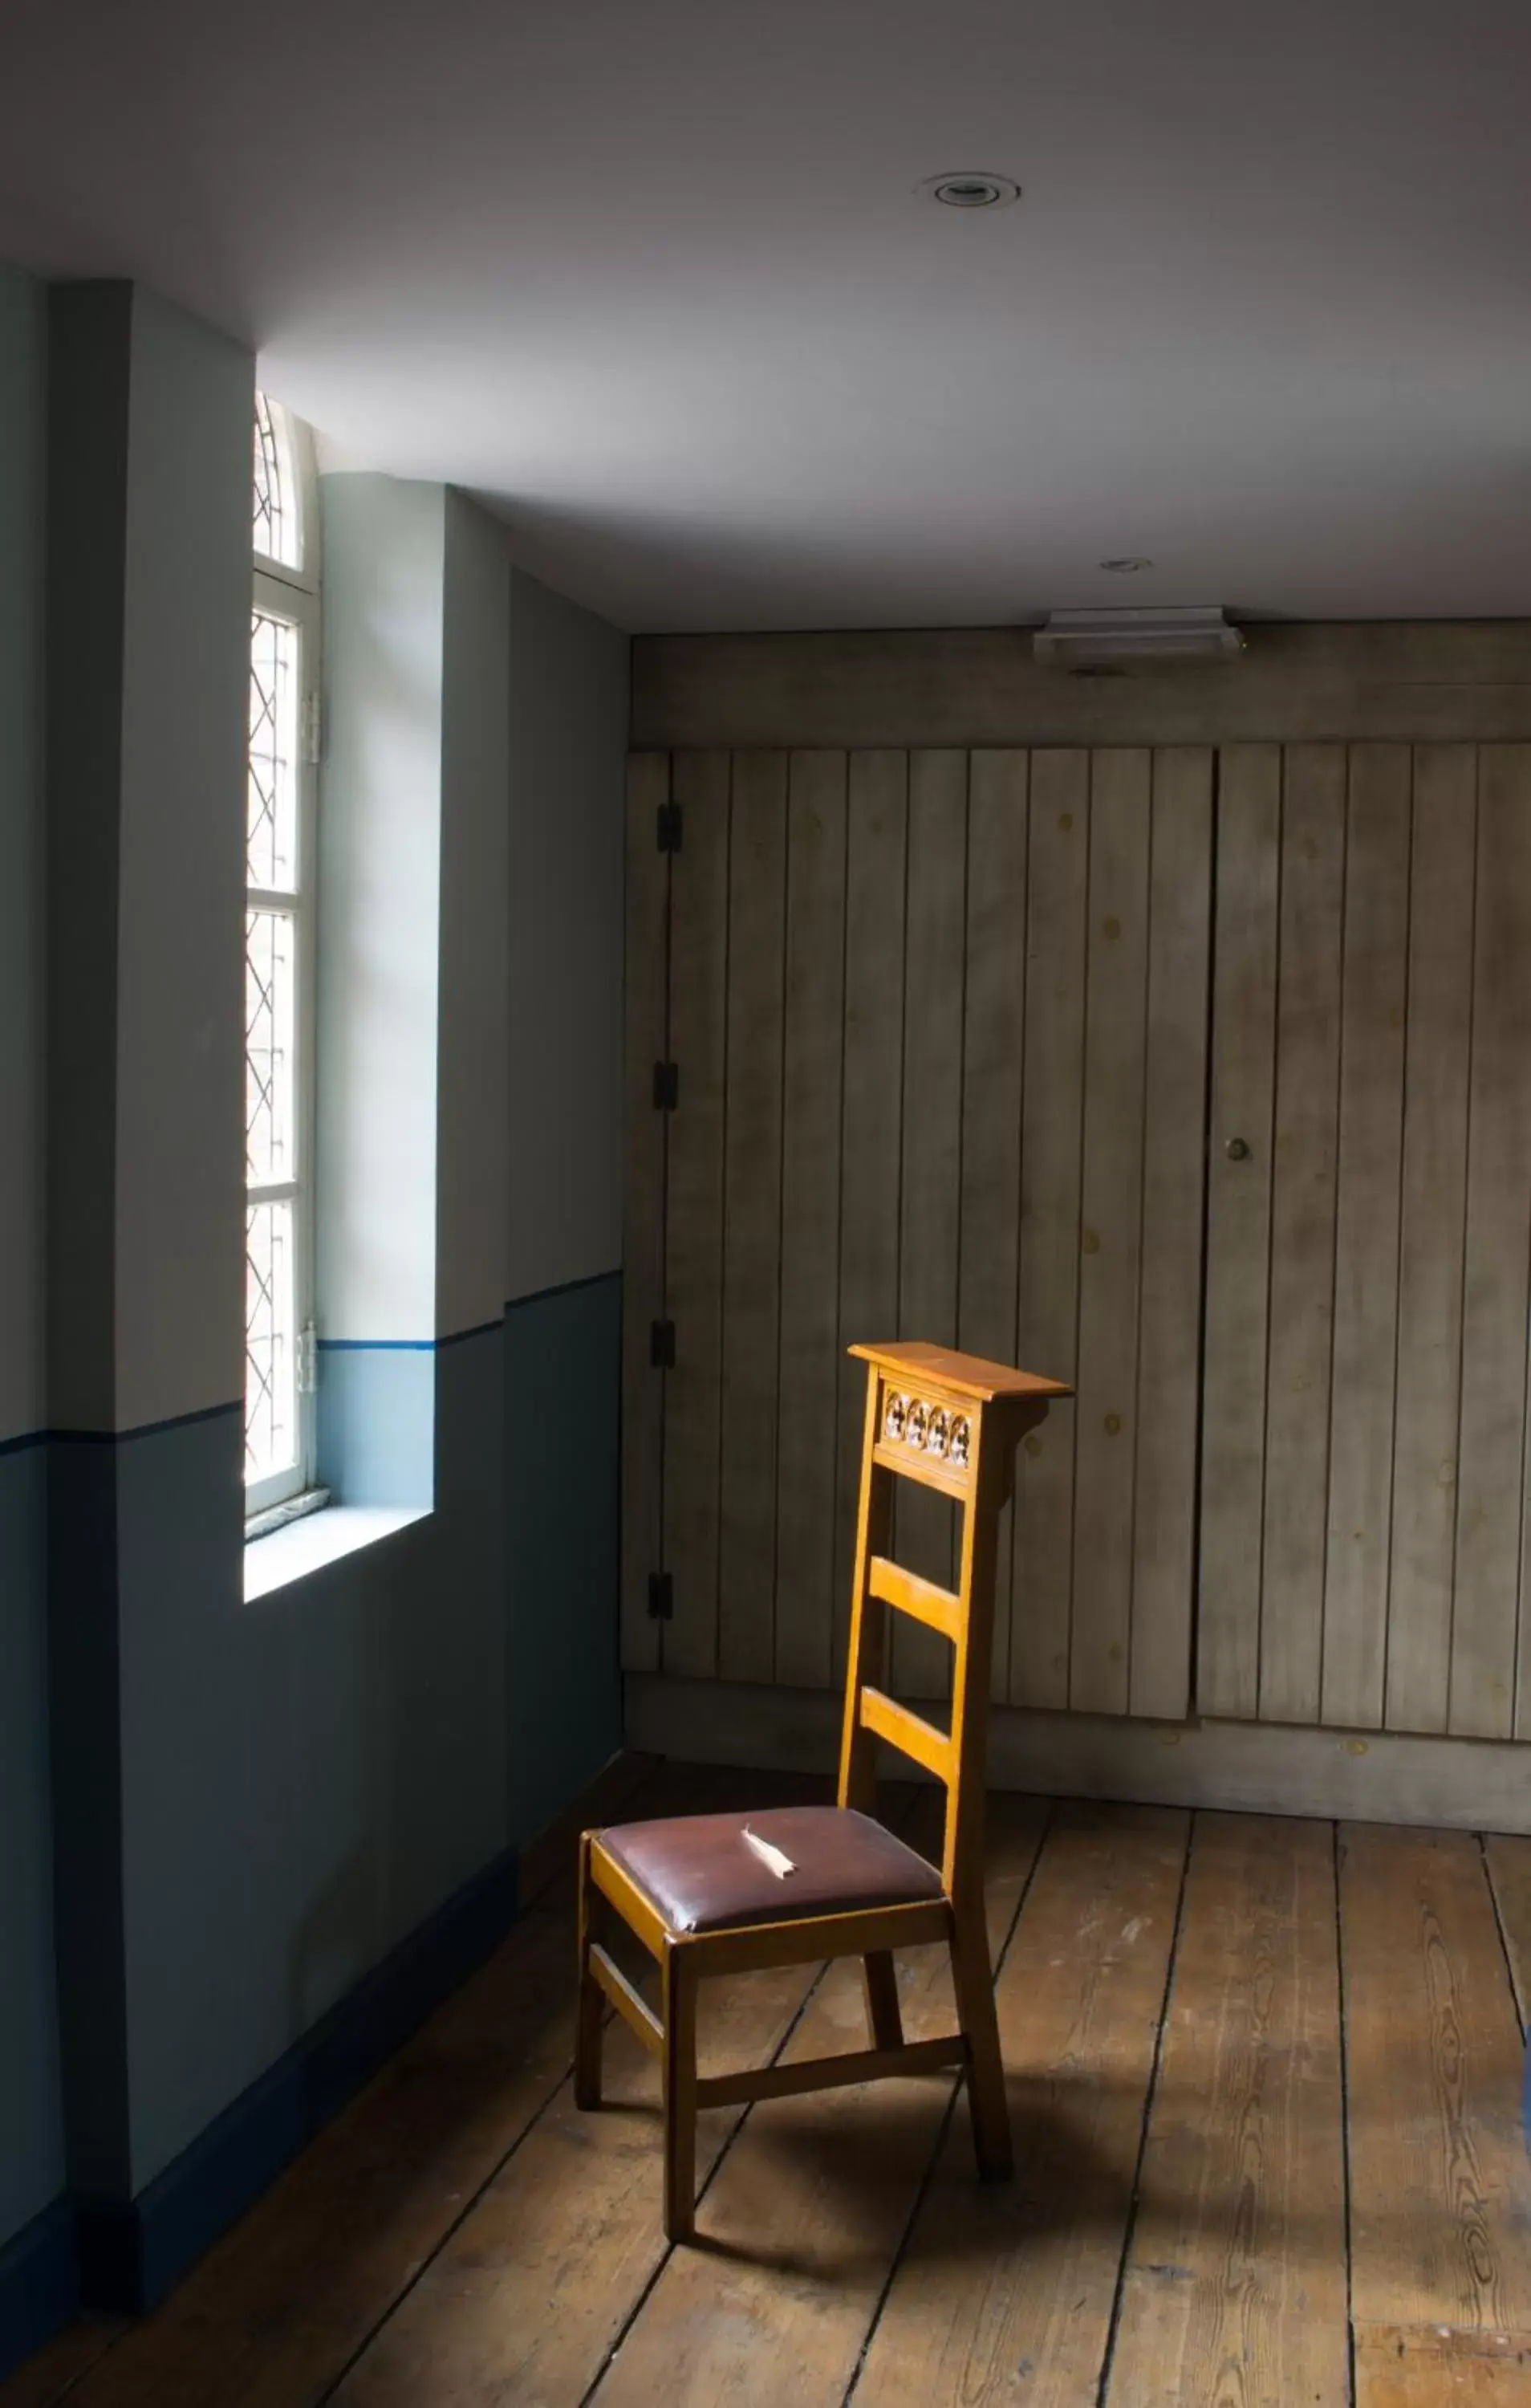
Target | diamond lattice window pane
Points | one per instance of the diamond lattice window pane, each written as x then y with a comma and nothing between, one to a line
270,1059
274,516
272,857
271,1404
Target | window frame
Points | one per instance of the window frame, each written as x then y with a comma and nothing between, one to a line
282,590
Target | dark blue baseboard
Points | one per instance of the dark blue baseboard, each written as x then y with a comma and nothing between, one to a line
39,2284
131,2255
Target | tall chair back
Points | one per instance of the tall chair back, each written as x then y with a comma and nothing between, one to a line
950,1423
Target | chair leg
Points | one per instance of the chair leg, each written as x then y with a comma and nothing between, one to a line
882,1983
590,2012
678,2007
986,2099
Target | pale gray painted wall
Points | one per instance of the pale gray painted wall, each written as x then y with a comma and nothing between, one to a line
180,1002
22,370
158,1807
568,741
32,2148
149,592
472,1133
379,853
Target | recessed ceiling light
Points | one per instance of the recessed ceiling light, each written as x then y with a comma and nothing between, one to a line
971,188
1127,565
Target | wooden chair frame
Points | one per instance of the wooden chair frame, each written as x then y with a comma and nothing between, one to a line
982,1411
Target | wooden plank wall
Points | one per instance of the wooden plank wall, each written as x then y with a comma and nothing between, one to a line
1366,1426
940,1020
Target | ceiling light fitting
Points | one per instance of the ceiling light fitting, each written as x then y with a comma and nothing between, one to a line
1087,640
1127,565
971,188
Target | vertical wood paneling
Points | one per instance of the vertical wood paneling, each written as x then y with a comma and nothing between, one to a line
993,1043
871,1122
941,1027
1373,992
1174,1170
1443,858
1302,1231
645,1004
757,876
811,1217
694,1251
1239,1229
1047,1327
1493,1303
1110,1235
935,944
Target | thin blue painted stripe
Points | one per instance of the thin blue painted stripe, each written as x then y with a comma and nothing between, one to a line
378,1345
326,1346
119,1438
562,1287
456,1336
480,1329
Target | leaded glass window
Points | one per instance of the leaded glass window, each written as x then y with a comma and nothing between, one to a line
278,488
279,931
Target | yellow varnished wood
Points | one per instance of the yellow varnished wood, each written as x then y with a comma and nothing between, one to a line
830,2073
936,1608
962,1440
874,1930
630,2005
910,1733
625,1895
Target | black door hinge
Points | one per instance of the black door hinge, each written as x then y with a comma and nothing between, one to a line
666,1087
662,1345
661,1597
669,828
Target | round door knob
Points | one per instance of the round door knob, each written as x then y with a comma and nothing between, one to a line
1236,1150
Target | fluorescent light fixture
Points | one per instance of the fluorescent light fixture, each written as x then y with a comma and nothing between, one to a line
1079,639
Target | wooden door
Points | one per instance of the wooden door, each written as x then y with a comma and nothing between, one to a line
1369,1216
938,1020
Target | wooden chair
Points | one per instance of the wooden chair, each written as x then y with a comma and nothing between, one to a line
703,1900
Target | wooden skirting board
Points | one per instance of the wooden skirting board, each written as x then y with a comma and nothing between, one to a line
1252,1767
980,685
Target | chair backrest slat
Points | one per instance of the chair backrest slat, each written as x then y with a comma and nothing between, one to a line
909,1732
950,1422
921,1599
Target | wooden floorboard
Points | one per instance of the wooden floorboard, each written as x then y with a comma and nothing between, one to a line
1234,2287
548,1865
1005,2293
1435,2366
54,2371
1205,2042
1441,2184
1508,1862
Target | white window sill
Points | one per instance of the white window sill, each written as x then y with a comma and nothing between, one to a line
308,1545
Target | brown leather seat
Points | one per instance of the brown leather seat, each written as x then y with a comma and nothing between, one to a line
700,1875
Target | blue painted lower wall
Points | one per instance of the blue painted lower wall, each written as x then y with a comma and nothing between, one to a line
563,1387
130,2255
319,1795
36,2268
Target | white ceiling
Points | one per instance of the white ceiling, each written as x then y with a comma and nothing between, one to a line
650,276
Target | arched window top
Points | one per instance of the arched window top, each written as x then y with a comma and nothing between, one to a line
277,495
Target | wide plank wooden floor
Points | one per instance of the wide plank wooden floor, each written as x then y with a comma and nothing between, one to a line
1266,2078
